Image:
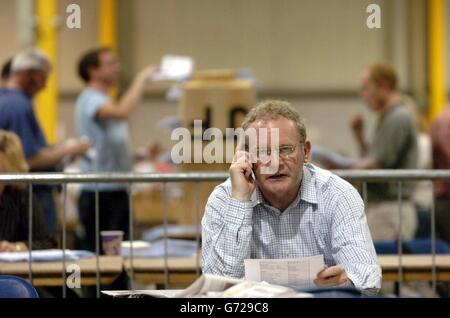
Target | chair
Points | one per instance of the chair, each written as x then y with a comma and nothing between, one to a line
423,246
416,246
16,287
385,247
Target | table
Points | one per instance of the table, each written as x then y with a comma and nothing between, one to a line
183,271
50,273
415,267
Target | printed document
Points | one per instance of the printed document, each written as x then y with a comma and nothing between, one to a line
298,272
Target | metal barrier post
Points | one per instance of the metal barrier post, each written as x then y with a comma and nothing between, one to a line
30,231
131,219
97,242
166,266
197,228
64,237
400,238
365,196
433,243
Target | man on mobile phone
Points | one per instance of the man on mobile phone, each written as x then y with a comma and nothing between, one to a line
298,210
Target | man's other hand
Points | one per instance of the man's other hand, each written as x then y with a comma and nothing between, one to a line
357,125
332,276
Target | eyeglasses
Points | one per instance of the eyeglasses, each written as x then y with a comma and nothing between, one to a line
283,151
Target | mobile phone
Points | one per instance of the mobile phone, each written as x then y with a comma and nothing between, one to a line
252,176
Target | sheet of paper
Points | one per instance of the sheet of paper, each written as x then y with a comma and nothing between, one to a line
44,256
262,290
298,272
164,293
174,68
323,155
156,249
209,283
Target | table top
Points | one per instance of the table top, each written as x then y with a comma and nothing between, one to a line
414,262
107,264
50,273
387,262
185,264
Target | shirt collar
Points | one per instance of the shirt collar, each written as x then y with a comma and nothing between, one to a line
257,197
308,187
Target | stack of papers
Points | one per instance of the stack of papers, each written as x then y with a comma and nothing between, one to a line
209,285
157,249
173,230
44,256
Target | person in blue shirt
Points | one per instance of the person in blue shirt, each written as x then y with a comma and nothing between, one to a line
104,122
28,76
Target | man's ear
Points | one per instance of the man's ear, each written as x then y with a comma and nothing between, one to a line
306,150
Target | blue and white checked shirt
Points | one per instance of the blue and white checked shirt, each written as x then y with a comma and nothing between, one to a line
326,218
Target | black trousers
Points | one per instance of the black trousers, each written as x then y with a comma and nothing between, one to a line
113,214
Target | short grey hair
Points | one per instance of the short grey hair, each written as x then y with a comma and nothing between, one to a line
271,109
30,59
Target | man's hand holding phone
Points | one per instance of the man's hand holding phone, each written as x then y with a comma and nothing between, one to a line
243,181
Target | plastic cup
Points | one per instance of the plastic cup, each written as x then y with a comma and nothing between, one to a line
112,242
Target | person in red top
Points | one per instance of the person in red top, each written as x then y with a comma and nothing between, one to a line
440,136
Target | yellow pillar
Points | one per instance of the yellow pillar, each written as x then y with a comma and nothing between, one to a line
108,23
436,57
107,31
47,100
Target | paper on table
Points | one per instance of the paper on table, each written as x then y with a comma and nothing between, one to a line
175,248
262,290
299,272
44,256
174,68
160,293
209,285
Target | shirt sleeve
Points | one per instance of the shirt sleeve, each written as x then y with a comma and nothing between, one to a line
226,234
94,103
352,245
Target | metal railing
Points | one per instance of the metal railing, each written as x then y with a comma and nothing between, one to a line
363,176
